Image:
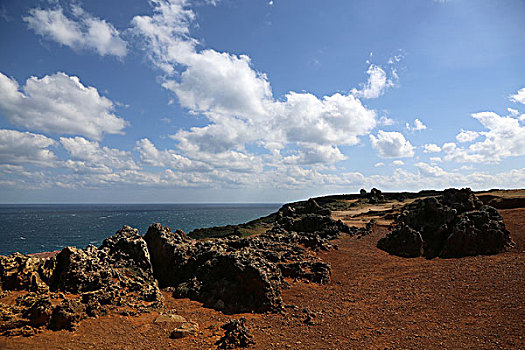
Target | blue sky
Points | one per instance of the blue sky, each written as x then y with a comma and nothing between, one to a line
258,101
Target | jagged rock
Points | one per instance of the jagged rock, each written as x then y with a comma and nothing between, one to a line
477,232
40,312
404,241
462,200
375,196
212,271
186,329
325,226
21,272
127,248
66,315
116,274
451,225
303,208
236,335
81,270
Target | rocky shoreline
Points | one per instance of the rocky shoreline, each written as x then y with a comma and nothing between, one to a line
126,272
232,274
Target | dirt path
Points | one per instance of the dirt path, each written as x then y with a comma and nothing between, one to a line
373,301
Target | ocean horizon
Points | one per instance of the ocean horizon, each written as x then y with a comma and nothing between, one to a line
41,227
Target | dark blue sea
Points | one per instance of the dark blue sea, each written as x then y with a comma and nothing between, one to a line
48,227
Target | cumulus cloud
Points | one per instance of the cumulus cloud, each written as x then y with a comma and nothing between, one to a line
376,85
430,170
90,156
238,100
467,136
386,121
417,126
431,148
519,96
335,119
167,33
60,104
25,148
207,85
391,145
83,31
504,138
309,154
398,162
150,155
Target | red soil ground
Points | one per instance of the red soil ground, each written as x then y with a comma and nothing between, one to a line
373,301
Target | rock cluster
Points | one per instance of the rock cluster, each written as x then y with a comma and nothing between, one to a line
453,225
236,335
375,196
119,273
235,274
231,274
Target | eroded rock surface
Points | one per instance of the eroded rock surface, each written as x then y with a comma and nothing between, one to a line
453,225
236,335
119,273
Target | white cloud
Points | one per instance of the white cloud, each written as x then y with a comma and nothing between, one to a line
386,121
519,96
150,155
335,119
391,145
25,148
467,136
60,104
309,154
430,170
504,138
82,32
239,104
89,155
398,162
431,148
207,85
167,33
379,164
376,85
418,126
513,112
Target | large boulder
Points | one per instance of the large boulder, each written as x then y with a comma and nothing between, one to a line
215,273
404,241
452,225
477,232
127,248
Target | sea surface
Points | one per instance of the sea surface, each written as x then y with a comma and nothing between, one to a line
48,227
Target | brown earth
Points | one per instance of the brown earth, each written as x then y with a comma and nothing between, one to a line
373,301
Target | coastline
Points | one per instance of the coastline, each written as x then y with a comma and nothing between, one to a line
357,279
